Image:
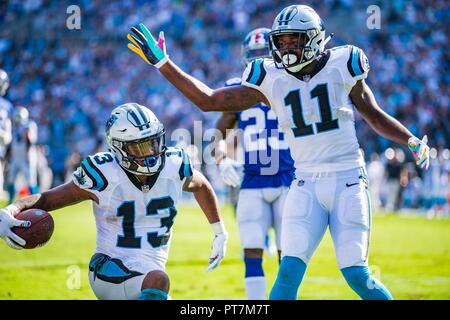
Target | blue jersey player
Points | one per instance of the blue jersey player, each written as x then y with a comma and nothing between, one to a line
268,172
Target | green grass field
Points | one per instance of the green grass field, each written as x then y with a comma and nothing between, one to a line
411,255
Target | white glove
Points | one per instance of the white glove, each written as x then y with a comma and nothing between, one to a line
7,221
420,150
219,246
229,172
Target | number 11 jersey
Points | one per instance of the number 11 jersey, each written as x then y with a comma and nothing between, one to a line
315,111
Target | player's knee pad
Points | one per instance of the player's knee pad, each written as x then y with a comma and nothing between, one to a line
365,285
253,267
290,275
153,294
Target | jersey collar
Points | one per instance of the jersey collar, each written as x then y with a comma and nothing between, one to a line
143,187
322,61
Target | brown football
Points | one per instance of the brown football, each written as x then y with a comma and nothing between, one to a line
39,232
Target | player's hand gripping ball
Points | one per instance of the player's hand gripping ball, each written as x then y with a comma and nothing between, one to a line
39,232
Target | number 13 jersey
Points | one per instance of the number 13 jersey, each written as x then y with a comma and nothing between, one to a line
134,219
315,111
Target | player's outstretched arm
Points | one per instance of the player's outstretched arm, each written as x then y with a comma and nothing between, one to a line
56,198
387,126
235,98
206,198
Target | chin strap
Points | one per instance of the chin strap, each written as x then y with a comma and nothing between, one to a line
331,35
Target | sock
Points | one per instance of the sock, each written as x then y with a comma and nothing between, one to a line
289,277
255,282
256,288
152,294
366,286
11,193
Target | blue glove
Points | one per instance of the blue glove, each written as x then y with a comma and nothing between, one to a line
144,45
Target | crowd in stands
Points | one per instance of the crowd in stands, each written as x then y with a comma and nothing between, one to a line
71,79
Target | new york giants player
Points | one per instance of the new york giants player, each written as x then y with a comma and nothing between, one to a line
268,172
22,154
134,189
5,126
313,92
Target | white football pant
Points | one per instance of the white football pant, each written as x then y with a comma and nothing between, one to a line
339,200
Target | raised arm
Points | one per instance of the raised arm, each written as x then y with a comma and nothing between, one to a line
235,98
385,125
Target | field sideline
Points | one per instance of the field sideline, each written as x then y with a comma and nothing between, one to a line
410,254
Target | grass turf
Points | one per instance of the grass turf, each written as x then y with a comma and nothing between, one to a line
410,254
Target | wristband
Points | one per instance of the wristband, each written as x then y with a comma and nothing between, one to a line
162,62
13,209
218,227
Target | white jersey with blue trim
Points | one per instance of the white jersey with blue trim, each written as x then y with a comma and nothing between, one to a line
134,220
6,105
24,138
315,112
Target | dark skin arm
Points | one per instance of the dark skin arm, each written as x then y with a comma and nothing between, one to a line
226,121
62,196
204,194
383,124
234,98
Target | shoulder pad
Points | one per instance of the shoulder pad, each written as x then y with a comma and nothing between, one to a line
255,72
90,174
357,63
178,162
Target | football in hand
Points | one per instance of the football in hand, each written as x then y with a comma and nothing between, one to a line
39,232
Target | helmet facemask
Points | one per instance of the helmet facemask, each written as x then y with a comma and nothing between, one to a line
144,156
295,57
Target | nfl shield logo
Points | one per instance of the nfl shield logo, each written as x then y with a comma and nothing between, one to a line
145,188
301,183
306,78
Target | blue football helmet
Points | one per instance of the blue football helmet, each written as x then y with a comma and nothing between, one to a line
256,45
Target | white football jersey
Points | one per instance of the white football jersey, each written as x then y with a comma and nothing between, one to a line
134,220
24,138
315,111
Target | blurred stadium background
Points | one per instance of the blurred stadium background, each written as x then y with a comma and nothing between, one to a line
70,80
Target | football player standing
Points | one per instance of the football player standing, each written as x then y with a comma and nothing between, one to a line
5,126
134,189
313,92
22,158
268,172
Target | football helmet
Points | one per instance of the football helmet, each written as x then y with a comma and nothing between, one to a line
4,82
20,115
255,45
137,139
304,23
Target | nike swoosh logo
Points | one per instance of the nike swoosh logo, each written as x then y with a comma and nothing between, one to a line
352,184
